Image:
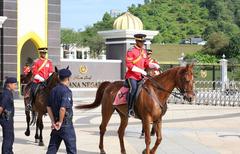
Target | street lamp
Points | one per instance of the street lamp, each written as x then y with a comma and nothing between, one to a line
2,20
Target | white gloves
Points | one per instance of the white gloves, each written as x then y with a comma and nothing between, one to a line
38,77
139,70
154,65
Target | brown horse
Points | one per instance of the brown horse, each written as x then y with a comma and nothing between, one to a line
151,72
24,80
40,106
150,105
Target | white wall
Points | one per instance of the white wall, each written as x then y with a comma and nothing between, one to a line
32,17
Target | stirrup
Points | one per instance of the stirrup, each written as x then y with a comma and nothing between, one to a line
131,113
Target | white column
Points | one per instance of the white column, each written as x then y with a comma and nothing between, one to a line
224,78
181,60
61,51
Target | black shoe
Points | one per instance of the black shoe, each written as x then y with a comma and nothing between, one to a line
131,113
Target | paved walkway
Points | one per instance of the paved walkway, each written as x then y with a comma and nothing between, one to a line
186,129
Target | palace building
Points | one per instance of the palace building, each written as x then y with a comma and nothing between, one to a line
30,24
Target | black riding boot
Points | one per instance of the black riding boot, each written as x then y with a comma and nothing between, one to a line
131,112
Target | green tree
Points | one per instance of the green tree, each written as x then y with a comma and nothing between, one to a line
181,19
216,44
96,45
68,36
233,50
202,58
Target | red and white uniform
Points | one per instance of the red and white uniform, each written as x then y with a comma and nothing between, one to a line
26,69
153,61
45,70
136,57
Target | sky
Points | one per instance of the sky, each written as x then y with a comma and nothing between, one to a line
78,14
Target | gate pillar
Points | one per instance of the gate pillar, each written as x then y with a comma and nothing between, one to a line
224,77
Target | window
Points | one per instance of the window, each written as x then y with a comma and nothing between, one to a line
66,47
68,55
79,55
85,55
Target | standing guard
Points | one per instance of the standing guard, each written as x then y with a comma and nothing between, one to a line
60,111
6,115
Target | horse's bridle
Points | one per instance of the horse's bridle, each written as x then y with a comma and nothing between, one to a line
159,87
182,91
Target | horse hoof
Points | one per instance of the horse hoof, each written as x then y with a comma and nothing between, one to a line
41,144
27,133
36,140
141,136
123,152
102,152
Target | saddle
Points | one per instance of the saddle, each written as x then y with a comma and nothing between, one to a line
122,94
29,90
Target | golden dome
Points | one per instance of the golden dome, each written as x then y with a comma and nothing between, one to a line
128,21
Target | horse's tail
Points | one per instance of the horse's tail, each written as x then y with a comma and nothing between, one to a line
98,98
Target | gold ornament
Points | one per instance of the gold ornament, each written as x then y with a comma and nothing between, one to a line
83,69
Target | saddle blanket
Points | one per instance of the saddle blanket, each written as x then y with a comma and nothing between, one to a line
121,97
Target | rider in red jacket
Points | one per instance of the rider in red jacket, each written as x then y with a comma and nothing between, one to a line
26,69
149,55
41,69
136,62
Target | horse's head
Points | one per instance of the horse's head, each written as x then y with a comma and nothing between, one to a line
185,82
53,79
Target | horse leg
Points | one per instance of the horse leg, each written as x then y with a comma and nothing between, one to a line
121,131
36,134
158,130
146,126
142,133
153,129
106,115
34,115
41,128
27,113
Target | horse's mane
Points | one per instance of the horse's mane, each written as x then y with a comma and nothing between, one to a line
168,71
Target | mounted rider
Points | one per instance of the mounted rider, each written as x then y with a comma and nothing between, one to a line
152,60
26,69
41,69
136,62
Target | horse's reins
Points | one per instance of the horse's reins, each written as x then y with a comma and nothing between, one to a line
155,99
159,87
49,81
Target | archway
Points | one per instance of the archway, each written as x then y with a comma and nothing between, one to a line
27,47
28,54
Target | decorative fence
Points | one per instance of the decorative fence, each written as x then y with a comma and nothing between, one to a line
216,84
211,93
209,72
